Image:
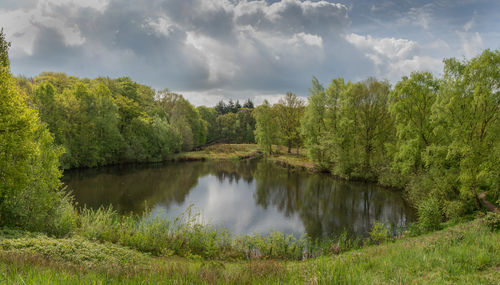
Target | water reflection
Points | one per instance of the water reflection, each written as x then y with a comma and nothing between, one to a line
326,205
244,196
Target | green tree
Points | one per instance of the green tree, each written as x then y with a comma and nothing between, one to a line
411,104
209,115
314,126
467,110
320,123
265,126
226,126
29,190
364,127
289,111
185,117
246,126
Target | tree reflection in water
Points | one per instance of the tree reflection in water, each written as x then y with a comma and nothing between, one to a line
320,203
326,205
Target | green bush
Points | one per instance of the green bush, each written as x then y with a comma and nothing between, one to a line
453,209
379,233
429,215
492,220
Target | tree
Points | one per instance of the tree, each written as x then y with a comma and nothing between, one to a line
248,104
221,108
29,190
467,112
266,128
289,111
246,125
209,115
237,105
226,126
320,121
365,126
185,117
411,104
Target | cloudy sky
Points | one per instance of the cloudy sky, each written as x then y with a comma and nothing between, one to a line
213,49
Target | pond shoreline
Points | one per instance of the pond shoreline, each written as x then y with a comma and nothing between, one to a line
301,163
223,151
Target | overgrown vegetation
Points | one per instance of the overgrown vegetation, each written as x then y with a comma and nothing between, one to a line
465,254
29,175
187,235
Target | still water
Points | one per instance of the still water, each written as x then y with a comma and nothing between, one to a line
248,196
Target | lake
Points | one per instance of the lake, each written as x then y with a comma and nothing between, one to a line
247,196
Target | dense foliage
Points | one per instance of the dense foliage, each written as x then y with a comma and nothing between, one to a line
107,121
280,123
229,122
29,173
439,139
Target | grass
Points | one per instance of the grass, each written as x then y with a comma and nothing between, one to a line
220,151
468,253
241,151
187,236
298,160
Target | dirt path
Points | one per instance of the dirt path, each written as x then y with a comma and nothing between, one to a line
487,203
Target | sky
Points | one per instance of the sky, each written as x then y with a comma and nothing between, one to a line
210,50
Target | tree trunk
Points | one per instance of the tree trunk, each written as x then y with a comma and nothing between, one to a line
289,146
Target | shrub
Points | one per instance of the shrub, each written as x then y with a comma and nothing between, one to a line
379,233
429,215
453,209
492,220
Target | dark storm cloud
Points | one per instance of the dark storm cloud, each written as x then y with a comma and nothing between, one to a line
234,48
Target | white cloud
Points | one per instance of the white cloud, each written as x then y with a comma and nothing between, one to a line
22,27
162,26
419,16
292,16
472,43
390,48
308,39
219,57
237,49
394,57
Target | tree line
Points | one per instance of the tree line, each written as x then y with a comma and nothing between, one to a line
106,121
436,138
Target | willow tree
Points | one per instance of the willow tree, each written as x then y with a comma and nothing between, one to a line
468,113
364,126
411,104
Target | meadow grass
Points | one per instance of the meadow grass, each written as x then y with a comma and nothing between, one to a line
467,253
220,152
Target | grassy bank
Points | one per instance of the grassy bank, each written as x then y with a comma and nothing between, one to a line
468,253
242,151
296,161
220,151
